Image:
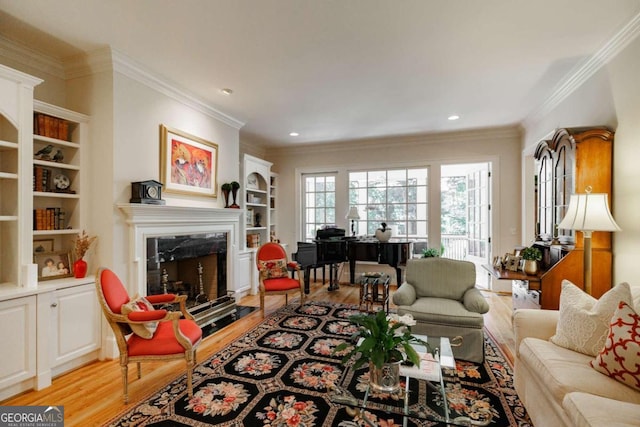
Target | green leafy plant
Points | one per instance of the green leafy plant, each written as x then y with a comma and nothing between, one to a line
235,185
532,254
382,338
431,252
226,187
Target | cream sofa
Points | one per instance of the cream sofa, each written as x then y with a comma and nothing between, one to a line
558,386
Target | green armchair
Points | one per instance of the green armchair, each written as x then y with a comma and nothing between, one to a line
441,296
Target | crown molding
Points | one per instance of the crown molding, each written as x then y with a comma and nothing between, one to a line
107,59
585,70
509,133
22,54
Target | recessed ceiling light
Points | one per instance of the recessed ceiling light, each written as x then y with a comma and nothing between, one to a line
453,117
294,134
226,91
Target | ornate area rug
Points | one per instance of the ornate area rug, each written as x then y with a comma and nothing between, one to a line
279,374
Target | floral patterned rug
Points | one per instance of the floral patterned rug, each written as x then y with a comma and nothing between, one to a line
280,373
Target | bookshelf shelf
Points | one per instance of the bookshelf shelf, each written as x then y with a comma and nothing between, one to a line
56,165
66,132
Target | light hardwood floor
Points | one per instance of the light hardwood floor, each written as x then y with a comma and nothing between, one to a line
92,395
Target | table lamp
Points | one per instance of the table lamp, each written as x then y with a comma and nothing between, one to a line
353,215
588,212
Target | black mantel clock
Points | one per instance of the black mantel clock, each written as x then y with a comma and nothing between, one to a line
148,192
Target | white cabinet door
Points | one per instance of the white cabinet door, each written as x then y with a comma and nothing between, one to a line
18,338
75,327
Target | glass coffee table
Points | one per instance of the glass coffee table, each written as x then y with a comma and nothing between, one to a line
429,383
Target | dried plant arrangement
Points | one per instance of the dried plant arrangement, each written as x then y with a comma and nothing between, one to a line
82,244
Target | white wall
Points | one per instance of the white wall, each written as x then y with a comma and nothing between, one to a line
500,146
611,98
138,112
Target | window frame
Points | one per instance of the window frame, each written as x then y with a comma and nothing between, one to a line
408,219
305,194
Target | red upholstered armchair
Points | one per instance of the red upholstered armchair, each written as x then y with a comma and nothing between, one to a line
274,267
144,333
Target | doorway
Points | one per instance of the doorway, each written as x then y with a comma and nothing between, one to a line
465,220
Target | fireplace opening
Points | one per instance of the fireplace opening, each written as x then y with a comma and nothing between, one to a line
194,265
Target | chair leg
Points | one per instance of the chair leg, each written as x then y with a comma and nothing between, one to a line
125,383
191,356
262,303
139,370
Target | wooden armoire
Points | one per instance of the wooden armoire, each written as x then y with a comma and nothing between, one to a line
568,163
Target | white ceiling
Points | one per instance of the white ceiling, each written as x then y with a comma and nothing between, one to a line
342,69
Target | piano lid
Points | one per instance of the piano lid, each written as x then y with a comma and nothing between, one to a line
330,233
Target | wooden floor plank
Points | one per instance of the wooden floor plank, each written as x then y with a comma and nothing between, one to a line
92,395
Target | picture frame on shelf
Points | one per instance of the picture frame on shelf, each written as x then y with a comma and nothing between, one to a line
188,164
252,182
43,245
513,264
53,265
249,217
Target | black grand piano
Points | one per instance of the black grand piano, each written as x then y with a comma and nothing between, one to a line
331,248
328,249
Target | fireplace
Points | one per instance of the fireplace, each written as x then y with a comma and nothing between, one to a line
154,230
193,265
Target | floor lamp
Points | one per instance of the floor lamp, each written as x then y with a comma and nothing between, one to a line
588,212
353,215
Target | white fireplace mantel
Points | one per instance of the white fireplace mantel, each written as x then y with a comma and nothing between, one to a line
161,220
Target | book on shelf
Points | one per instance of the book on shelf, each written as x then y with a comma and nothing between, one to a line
49,219
51,127
41,179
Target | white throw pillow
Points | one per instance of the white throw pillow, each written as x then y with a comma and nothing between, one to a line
584,321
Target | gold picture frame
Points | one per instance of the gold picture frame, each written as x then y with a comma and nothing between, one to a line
188,164
53,265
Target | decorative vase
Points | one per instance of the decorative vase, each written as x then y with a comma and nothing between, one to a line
386,379
80,268
530,267
234,194
225,193
383,236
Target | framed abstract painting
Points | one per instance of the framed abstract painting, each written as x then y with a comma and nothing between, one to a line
188,164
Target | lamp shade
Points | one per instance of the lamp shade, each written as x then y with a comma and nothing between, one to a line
589,212
353,213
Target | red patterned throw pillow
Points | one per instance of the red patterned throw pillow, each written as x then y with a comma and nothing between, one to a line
620,357
273,268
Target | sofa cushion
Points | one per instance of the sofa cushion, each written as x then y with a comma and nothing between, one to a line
620,357
584,321
564,371
587,410
441,277
441,311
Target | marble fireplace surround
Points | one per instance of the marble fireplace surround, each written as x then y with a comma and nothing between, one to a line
161,220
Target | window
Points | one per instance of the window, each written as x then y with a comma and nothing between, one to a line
397,197
319,203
